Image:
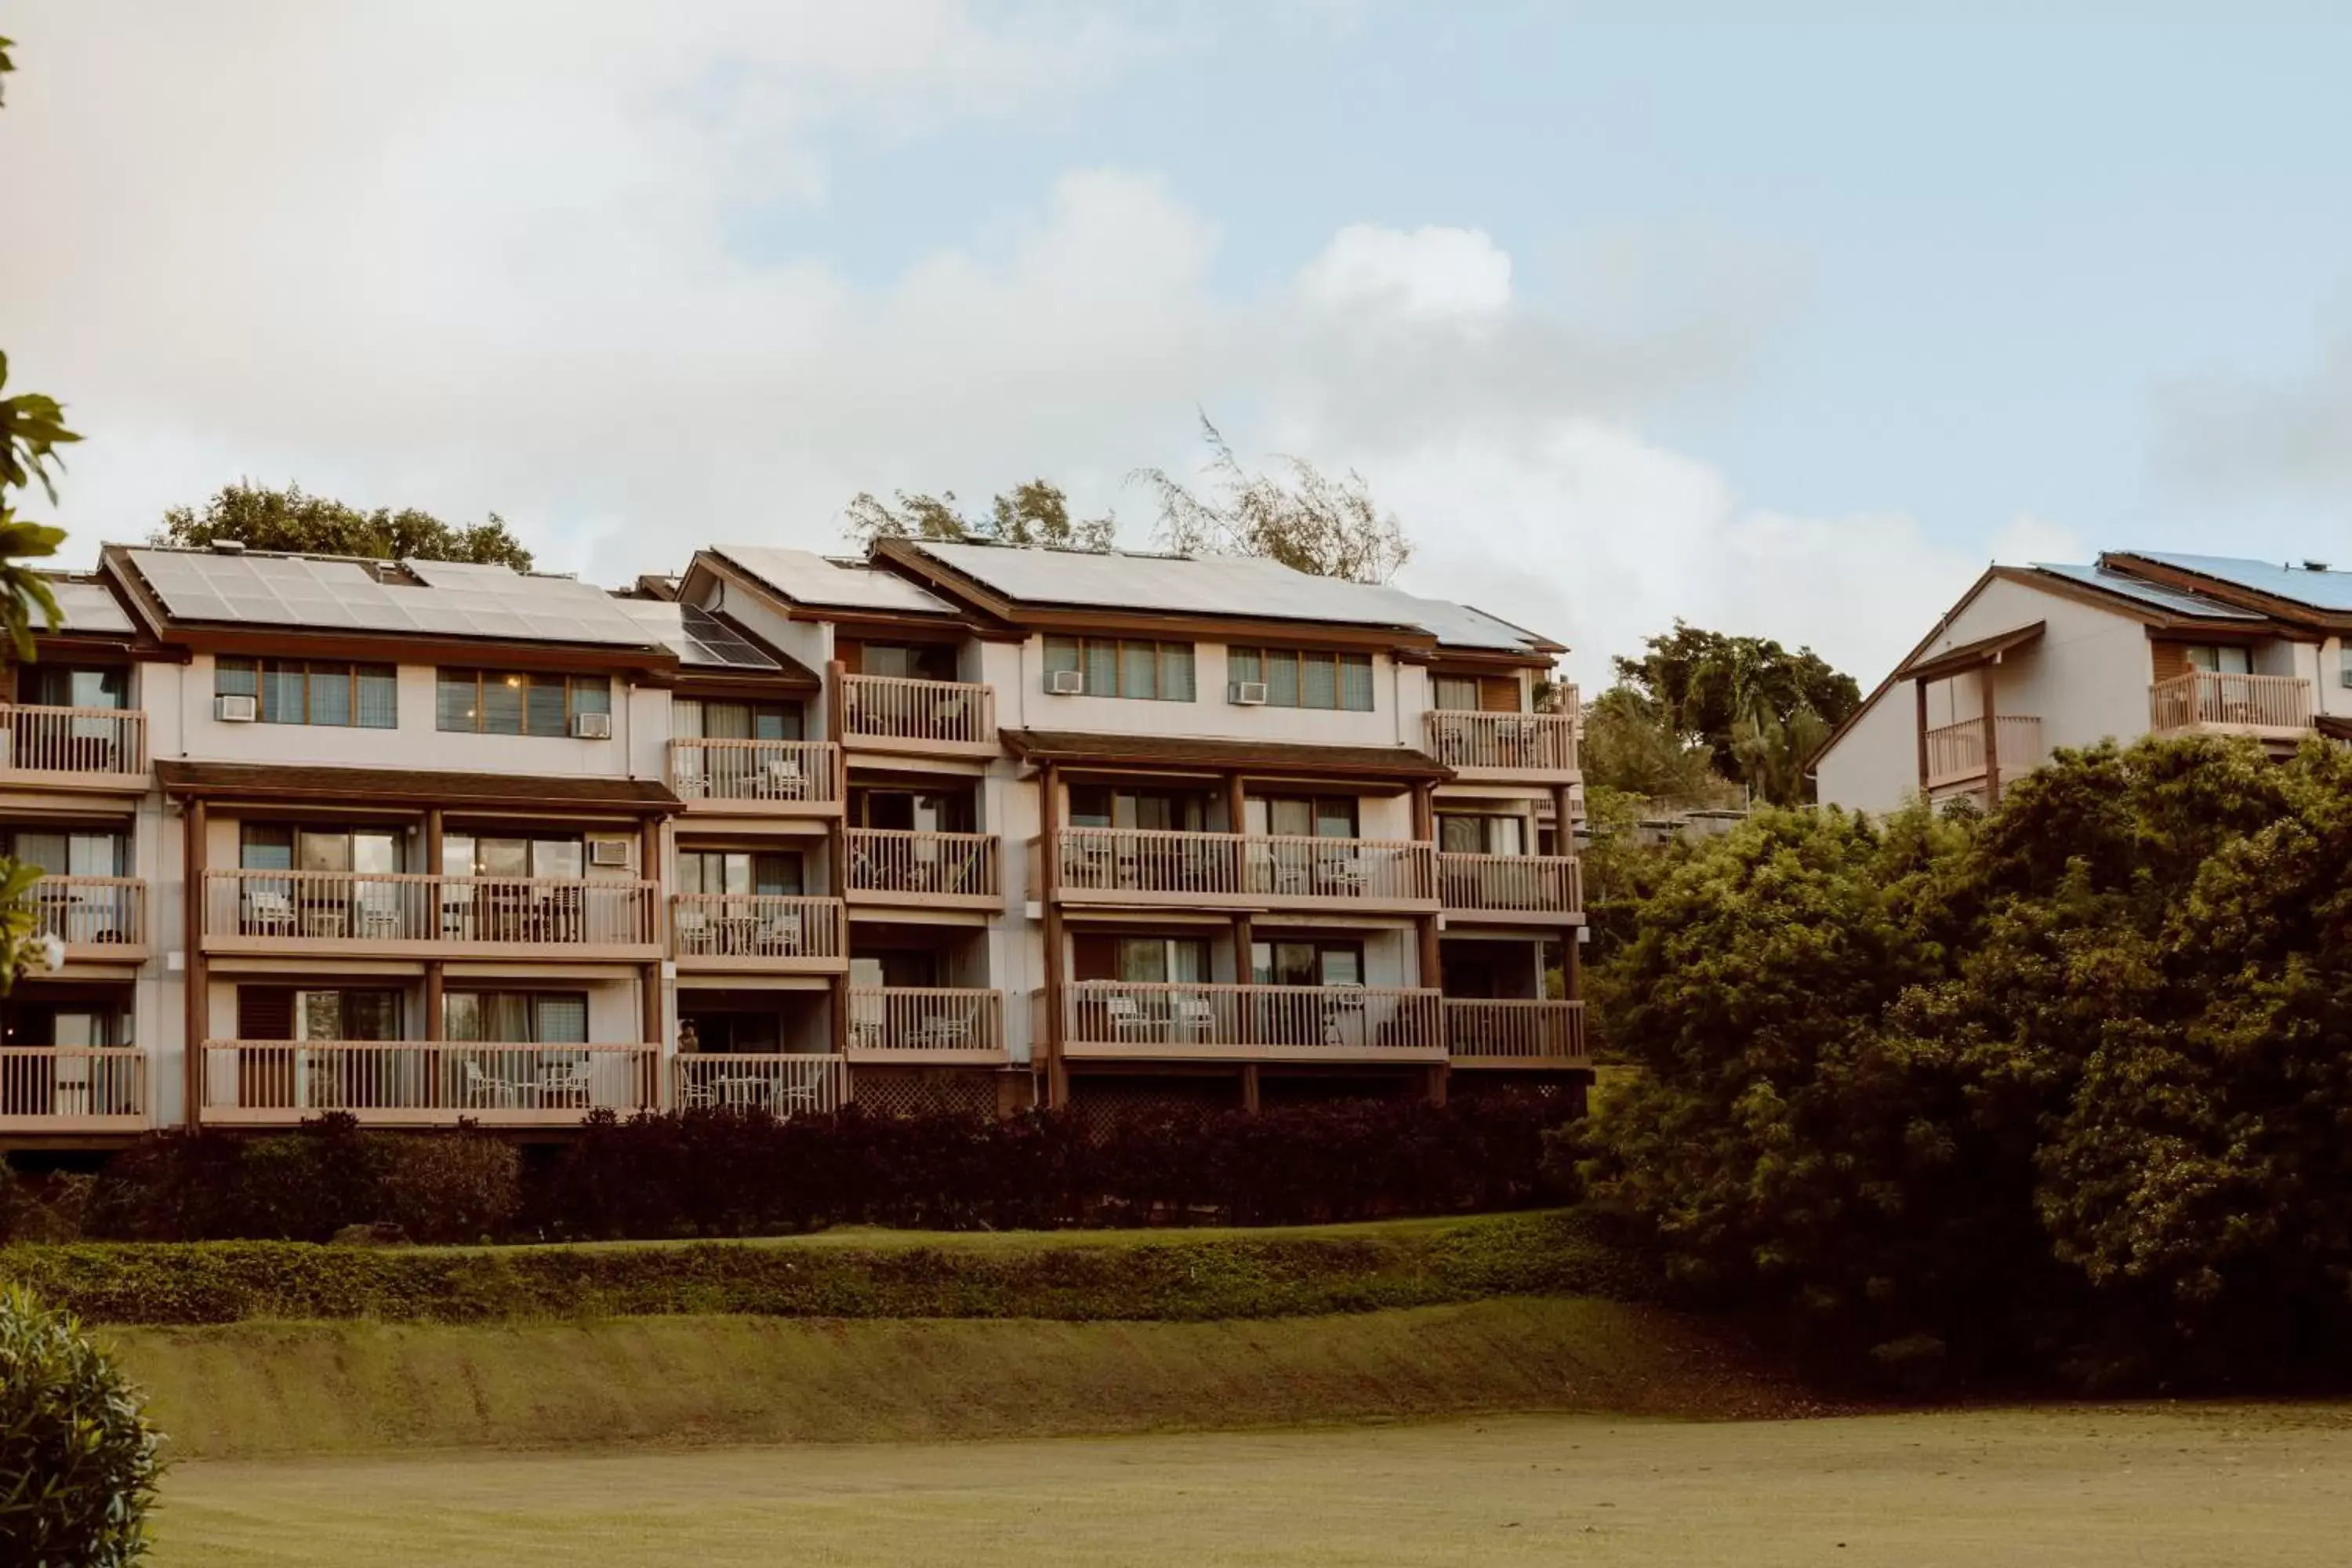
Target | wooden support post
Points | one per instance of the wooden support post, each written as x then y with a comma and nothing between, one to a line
1049,859
436,836
1249,1088
1563,819
1431,968
437,1022
1424,814
1991,739
1921,687
197,1020
1437,1084
1236,805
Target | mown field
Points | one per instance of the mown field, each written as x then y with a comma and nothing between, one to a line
2069,1488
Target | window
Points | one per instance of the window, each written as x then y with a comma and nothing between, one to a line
1157,671
1479,835
518,703
70,851
737,871
314,691
1100,805
2224,659
468,855
60,686
906,661
1302,816
692,719
277,847
1298,679
1306,964
516,1017
1141,959
1475,694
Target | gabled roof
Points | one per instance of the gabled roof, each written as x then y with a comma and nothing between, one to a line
2155,597
1211,585
819,582
2256,584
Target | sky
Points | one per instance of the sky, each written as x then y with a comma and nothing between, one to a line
1630,313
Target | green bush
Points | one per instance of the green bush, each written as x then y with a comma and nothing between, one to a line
77,1461
446,1189
1172,1275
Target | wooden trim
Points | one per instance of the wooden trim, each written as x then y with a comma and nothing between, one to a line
1991,737
195,974
1921,688
1983,651
437,976
1049,821
2291,612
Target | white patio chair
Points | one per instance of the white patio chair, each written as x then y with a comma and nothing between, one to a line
692,930
566,1082
269,913
950,1027
779,935
1196,1017
781,779
482,1090
1128,1018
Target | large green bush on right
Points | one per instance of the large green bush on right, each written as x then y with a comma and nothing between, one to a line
2064,1088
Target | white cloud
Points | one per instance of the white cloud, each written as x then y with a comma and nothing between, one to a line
471,258
2225,435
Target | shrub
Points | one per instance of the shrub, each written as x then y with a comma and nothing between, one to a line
463,1188
77,1461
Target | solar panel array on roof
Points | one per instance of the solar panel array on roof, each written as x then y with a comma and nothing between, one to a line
807,578
701,639
86,608
1217,585
2318,588
323,595
2172,601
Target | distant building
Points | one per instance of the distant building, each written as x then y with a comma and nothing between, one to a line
2037,657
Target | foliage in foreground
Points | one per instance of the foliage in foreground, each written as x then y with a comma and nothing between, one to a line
711,1173
2066,1087
77,1461
1172,1276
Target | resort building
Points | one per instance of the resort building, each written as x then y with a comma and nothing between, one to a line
955,827
2143,642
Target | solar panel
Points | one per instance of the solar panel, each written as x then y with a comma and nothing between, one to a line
86,608
805,577
701,638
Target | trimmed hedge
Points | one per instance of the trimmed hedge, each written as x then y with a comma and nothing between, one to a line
729,1174
1168,1275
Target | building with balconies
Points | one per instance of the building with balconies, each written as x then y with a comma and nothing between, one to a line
2033,658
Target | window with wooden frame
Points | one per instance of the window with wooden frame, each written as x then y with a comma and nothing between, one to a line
1150,671
518,703
314,691
1303,678
1475,833
1307,963
516,1017
1475,694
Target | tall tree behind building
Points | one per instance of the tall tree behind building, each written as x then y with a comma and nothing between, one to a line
1306,520
1759,710
1034,514
290,519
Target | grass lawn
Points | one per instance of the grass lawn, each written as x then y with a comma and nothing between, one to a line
2150,1487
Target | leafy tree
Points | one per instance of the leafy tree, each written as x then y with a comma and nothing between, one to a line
32,428
1037,514
1630,745
263,519
1760,711
77,1459
1308,521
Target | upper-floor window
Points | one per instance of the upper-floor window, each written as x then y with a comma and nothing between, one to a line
1302,816
1471,833
517,1017
907,661
1299,679
519,702
695,719
313,691
1474,693
2224,658
63,686
1117,668
69,851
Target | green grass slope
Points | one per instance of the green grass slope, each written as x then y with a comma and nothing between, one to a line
261,1389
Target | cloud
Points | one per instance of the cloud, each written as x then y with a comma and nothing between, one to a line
476,258
2222,436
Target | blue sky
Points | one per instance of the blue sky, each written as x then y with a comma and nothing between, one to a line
1631,312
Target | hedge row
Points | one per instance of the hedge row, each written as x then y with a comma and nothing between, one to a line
1165,1275
728,1173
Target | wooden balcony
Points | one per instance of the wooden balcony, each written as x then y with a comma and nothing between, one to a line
757,778
923,718
927,1025
73,748
1117,1019
1508,1032
387,915
424,1083
1956,753
1511,746
2267,707
777,1084
102,919
1153,868
768,932
1512,889
941,870
73,1089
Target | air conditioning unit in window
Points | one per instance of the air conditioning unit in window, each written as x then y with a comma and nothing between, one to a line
1065,682
608,851
1246,693
235,710
592,726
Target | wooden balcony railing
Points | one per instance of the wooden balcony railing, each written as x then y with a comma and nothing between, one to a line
1517,745
372,913
890,713
88,746
925,1023
778,1085
95,917
1956,753
1128,865
756,930
73,1089
890,864
782,776
1531,885
2229,701
425,1082
1297,1022
1515,1033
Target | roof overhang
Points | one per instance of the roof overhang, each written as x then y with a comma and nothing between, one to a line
296,786
1972,655
1395,765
